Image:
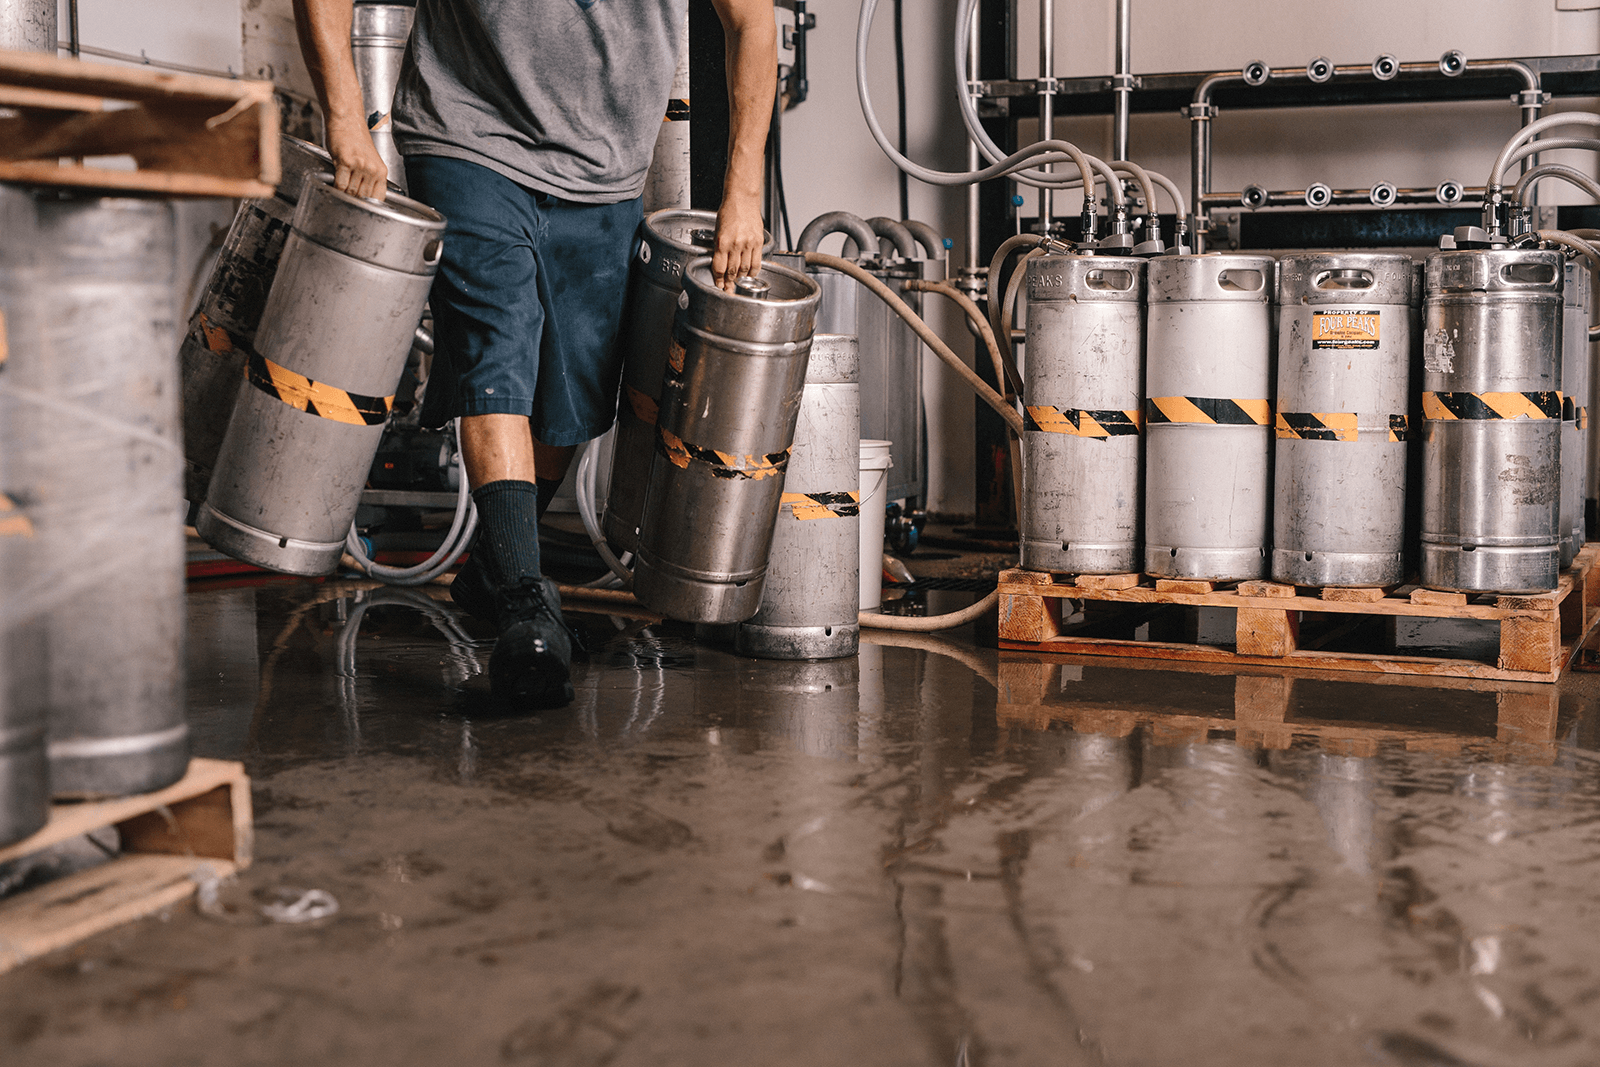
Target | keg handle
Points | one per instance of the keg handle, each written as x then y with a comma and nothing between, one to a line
1110,281
1343,279
1240,281
432,253
1527,273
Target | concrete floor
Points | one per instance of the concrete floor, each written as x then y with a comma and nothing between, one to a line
937,854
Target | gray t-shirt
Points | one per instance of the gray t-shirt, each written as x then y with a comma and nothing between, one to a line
563,96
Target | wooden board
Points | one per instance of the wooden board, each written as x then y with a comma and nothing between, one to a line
172,839
188,135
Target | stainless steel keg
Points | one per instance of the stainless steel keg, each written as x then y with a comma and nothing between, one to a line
89,408
735,375
1342,421
666,183
1208,380
29,26
333,340
1082,445
809,604
24,771
223,327
668,241
378,36
1578,293
1491,404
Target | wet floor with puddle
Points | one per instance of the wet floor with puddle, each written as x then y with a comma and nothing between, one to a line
933,854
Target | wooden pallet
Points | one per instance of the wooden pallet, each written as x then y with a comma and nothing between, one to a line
1539,635
171,841
188,135
1034,692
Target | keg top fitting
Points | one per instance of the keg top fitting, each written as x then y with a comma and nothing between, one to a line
1532,272
1347,278
1105,279
398,233
1212,277
835,360
671,237
786,313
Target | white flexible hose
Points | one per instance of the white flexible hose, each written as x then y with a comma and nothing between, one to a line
1014,165
930,623
464,525
1532,130
587,487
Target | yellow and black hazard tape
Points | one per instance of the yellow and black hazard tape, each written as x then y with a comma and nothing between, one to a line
1399,427
1217,411
1572,411
216,339
677,111
1082,422
675,356
13,523
1485,406
822,505
644,409
680,454
316,398
1332,426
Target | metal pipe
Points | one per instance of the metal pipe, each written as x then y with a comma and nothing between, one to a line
1296,197
74,38
1047,99
974,234
1122,83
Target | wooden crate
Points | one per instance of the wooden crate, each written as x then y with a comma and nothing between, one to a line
171,841
1539,635
189,135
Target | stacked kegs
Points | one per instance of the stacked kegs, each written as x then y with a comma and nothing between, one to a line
1208,385
93,606
809,604
1344,352
668,241
1492,420
333,340
378,36
1084,399
735,374
1578,296
223,328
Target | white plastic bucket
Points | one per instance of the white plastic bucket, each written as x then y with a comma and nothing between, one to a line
875,464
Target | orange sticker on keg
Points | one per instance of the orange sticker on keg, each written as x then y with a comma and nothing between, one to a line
644,409
1345,329
675,356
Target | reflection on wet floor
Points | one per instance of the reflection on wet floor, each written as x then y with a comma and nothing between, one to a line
933,854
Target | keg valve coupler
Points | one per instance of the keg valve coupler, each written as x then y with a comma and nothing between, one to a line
749,285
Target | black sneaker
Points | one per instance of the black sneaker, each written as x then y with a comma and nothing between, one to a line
531,665
472,590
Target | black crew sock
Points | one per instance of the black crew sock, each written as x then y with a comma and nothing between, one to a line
508,524
548,488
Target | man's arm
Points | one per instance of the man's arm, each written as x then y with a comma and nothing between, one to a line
324,30
752,36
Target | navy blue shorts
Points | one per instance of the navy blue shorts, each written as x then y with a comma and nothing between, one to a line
527,302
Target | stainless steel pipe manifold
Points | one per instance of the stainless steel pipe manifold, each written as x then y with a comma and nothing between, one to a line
809,604
1491,404
333,340
1082,446
1339,476
1208,382
735,375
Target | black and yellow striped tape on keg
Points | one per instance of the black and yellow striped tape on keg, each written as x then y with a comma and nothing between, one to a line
677,111
1486,406
1333,426
681,454
1211,410
822,505
1082,422
644,409
316,398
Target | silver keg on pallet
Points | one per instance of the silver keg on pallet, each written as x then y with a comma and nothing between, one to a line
333,340
1491,407
736,372
1344,364
92,460
1576,314
669,240
809,604
1208,379
1085,393
24,771
378,36
223,328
